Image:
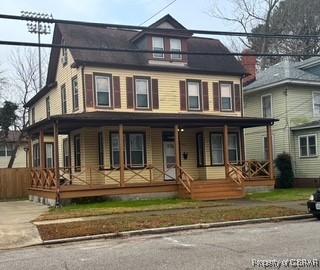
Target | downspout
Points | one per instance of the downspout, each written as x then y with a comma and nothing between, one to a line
83,89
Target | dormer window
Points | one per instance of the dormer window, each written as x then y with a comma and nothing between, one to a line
158,45
175,46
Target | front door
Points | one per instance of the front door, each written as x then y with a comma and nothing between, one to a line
169,160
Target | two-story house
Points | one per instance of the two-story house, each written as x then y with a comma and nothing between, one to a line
288,91
120,123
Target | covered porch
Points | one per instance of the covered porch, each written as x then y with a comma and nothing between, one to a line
117,154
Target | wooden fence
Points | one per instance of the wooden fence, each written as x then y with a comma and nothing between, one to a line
14,183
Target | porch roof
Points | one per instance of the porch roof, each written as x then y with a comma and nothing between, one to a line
69,122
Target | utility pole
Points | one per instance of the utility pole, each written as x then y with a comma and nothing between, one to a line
39,28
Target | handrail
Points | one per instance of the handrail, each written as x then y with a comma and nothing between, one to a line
184,178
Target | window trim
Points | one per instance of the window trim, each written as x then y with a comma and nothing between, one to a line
149,108
74,108
154,48
64,105
200,95
237,133
76,168
271,105
174,56
48,113
111,94
127,157
232,96
198,148
316,143
313,103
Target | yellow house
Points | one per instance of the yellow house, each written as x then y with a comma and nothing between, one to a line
120,123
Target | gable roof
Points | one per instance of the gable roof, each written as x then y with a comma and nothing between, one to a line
92,36
285,72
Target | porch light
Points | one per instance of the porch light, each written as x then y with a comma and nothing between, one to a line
181,130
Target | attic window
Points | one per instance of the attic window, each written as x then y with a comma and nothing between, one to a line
64,53
175,46
158,45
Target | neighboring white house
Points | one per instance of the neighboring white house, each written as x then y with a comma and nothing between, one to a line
6,148
290,92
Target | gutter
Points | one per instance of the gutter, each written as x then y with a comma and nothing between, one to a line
306,127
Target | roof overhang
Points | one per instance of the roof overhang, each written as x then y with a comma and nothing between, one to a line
45,90
70,122
305,127
279,83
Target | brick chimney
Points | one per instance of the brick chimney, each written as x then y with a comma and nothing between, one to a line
249,62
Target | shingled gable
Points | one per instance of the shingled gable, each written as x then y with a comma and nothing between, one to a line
88,36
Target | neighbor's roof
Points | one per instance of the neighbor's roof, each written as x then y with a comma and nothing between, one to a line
285,72
13,136
309,125
69,122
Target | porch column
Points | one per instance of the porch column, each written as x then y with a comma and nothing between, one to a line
121,155
177,148
42,150
270,151
226,149
56,152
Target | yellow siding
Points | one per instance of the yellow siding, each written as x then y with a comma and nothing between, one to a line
169,91
64,76
19,162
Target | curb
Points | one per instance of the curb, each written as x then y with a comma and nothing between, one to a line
175,229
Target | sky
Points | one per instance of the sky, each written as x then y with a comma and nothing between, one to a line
192,14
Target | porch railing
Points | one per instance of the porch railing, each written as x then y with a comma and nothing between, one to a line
184,178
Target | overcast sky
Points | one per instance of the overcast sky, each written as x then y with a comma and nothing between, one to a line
191,13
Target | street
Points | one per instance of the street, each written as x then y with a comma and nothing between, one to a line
222,248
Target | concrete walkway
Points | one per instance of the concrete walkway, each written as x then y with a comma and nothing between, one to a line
16,229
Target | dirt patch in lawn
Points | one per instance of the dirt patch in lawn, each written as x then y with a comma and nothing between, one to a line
136,222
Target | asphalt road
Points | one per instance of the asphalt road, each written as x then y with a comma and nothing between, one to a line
223,248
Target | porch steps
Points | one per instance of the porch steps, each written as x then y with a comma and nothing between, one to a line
212,190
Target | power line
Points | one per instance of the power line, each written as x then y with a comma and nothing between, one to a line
119,50
158,12
135,27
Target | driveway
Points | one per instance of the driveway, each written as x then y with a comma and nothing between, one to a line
16,229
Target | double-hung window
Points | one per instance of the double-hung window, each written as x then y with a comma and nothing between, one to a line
136,149
316,103
63,99
103,90
217,154
66,154
142,98
175,47
49,155
36,155
194,97
158,45
266,104
6,149
115,150
226,96
75,94
308,145
48,106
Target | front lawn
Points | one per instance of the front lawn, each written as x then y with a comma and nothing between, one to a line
281,195
120,207
134,221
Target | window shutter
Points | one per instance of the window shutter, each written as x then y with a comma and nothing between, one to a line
233,97
205,96
116,92
216,97
237,97
129,93
89,90
183,103
155,94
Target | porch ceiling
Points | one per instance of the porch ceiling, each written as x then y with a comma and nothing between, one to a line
69,122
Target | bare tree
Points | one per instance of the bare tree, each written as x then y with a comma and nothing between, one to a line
248,15
24,85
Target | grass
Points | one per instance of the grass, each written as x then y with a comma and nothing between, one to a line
120,207
280,195
155,220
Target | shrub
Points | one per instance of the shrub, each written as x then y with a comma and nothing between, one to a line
283,164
